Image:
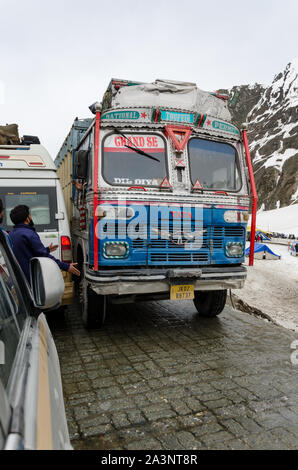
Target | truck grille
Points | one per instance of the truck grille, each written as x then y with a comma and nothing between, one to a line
168,245
165,251
178,257
234,232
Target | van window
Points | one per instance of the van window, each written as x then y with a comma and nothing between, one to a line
12,316
41,201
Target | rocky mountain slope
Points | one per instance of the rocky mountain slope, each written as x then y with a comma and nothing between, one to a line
242,99
272,116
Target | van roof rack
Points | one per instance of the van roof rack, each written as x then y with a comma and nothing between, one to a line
30,139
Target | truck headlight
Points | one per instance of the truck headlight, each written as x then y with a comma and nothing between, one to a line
115,250
236,216
234,249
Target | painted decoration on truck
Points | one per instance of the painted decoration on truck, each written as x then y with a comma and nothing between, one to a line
140,115
121,115
175,116
157,115
145,142
225,127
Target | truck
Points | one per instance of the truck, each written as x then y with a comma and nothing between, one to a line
159,185
28,176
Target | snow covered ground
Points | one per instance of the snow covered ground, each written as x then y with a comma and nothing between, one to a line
284,220
272,287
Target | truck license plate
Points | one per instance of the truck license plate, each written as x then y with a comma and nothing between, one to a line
182,292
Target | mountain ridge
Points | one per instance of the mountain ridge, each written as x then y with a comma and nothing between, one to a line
271,113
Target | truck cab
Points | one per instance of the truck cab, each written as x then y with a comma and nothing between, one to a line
161,199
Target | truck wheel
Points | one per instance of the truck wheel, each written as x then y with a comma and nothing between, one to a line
93,307
210,303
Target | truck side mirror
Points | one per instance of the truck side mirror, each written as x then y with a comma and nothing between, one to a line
81,164
47,283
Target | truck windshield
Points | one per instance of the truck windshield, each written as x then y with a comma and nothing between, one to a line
124,165
41,201
214,164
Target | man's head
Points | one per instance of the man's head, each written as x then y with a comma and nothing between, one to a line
1,211
21,215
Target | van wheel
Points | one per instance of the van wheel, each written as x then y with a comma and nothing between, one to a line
210,303
93,307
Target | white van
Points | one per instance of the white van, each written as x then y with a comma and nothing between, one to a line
28,176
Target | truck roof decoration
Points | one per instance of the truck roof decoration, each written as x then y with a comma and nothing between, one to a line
165,94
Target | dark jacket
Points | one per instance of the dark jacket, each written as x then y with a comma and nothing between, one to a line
26,244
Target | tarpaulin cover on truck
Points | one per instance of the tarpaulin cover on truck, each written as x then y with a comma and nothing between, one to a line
9,134
171,94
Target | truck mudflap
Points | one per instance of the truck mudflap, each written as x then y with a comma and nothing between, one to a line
68,295
146,281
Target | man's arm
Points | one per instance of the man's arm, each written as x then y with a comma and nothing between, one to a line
38,249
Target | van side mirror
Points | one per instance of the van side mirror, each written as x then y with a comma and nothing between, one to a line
47,283
81,164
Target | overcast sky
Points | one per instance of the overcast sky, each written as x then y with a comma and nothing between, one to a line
58,56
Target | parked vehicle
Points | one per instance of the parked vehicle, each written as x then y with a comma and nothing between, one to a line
161,196
28,176
293,248
32,414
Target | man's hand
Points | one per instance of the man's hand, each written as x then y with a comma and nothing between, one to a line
52,247
74,270
79,186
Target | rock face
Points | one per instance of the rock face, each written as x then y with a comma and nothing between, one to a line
242,99
272,116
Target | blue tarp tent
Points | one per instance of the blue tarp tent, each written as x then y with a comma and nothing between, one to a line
262,252
259,233
262,235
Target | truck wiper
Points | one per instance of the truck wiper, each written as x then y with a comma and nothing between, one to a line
136,149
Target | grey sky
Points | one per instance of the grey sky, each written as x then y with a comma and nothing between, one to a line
57,57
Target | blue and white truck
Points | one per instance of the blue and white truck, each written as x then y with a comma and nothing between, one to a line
158,184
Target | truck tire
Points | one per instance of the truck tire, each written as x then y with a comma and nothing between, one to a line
210,303
93,307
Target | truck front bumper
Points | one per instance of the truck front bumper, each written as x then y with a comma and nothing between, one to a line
147,281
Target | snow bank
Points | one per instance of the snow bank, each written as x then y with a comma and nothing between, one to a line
284,220
272,287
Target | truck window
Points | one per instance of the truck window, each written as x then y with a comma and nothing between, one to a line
124,166
42,203
12,316
215,164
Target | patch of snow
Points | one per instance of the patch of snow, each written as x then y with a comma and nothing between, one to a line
283,220
294,197
262,208
278,159
286,129
272,287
